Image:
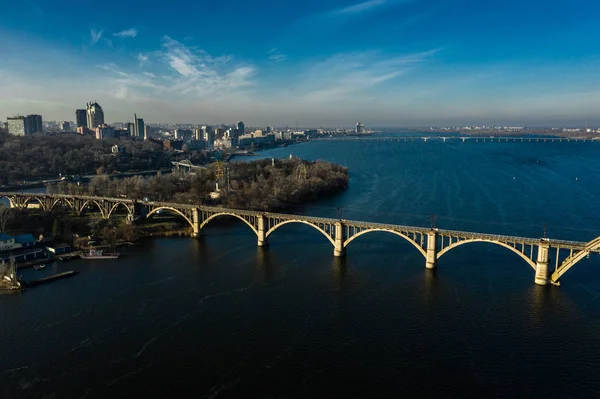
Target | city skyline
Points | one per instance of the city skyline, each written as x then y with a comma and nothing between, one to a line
329,63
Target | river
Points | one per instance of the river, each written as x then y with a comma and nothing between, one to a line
219,317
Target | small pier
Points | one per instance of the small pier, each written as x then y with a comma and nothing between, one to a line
48,279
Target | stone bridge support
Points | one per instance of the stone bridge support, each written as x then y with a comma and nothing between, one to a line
431,261
196,221
339,249
262,231
541,266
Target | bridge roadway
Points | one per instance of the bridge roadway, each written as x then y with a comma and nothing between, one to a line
432,243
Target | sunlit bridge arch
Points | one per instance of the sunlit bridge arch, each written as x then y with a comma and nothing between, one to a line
222,214
65,202
115,206
167,208
89,202
407,238
10,201
575,258
272,229
459,243
31,199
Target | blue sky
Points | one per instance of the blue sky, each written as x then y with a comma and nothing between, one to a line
315,63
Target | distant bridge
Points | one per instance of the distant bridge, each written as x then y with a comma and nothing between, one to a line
432,243
490,139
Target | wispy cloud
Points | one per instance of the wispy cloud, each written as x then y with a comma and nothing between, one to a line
127,33
203,74
95,35
143,59
276,56
179,71
360,7
365,6
343,75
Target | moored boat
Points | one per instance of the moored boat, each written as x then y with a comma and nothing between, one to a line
99,254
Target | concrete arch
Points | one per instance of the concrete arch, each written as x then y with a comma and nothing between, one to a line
152,212
407,238
216,215
12,203
115,206
42,205
575,258
64,200
459,243
331,240
86,203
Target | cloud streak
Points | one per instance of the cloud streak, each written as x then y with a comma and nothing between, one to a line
361,7
127,33
95,35
342,76
364,7
276,56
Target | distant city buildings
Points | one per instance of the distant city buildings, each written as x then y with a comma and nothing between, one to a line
65,126
25,125
81,118
95,115
104,132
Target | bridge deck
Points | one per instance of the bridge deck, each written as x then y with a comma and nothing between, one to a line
461,235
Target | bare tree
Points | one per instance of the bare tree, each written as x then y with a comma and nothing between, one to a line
5,216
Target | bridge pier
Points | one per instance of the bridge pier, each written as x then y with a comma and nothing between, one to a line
431,262
339,249
262,238
196,219
541,266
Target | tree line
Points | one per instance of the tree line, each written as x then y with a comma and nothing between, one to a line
262,185
40,157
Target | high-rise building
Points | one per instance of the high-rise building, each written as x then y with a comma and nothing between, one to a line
198,134
147,132
104,132
209,138
81,118
25,125
36,123
95,115
269,129
16,126
140,128
360,128
65,126
241,129
131,129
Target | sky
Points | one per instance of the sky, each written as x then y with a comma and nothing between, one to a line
311,63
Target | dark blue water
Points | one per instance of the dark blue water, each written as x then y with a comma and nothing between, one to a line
219,317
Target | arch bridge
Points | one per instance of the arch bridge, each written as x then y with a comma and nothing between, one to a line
431,243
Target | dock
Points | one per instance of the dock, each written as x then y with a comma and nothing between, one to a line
33,283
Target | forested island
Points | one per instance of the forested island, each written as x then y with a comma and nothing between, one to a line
267,185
